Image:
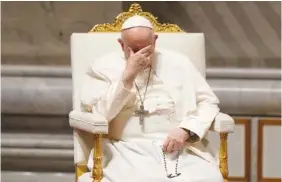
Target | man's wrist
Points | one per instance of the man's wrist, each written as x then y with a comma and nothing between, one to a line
192,137
127,82
187,132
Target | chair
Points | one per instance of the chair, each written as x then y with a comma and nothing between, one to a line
90,128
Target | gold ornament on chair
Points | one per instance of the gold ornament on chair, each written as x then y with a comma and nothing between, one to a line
135,9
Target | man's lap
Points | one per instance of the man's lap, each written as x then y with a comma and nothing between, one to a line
138,161
203,172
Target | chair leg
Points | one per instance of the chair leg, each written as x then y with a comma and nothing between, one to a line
97,171
223,157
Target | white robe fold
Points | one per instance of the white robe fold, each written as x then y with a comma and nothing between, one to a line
140,159
180,98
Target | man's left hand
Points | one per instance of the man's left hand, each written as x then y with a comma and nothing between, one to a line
175,140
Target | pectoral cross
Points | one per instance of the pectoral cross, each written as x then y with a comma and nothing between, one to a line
141,113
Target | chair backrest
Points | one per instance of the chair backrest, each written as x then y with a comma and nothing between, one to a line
87,47
102,39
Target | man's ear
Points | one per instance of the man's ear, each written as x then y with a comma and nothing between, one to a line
156,37
121,43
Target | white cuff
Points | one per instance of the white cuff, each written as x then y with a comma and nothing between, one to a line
193,125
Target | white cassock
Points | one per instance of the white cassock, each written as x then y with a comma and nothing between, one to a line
177,96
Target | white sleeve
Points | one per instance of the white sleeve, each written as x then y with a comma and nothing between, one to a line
101,95
200,121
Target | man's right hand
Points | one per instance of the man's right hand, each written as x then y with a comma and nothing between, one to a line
135,63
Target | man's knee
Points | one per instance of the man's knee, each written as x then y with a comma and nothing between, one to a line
216,176
211,174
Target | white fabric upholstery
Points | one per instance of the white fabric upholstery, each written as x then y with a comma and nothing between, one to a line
223,123
92,123
83,144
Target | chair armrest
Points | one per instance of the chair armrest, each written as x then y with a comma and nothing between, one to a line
223,123
89,122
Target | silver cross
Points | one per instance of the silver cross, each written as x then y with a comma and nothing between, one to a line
141,113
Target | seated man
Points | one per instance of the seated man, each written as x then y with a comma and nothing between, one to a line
159,108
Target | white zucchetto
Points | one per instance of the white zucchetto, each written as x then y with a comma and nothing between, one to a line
136,21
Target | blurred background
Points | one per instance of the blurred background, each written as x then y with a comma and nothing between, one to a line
243,51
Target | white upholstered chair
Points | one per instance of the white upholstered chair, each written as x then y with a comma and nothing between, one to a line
89,128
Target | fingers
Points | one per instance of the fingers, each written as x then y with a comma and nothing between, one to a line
171,145
165,145
150,56
145,52
148,53
145,61
130,51
177,146
145,49
149,61
141,61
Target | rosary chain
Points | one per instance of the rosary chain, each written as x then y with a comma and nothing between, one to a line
142,100
176,166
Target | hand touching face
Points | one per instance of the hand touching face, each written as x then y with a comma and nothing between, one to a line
138,61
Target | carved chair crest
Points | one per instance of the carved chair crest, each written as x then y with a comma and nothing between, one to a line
135,9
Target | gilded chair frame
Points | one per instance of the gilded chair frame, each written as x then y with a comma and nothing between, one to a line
135,9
